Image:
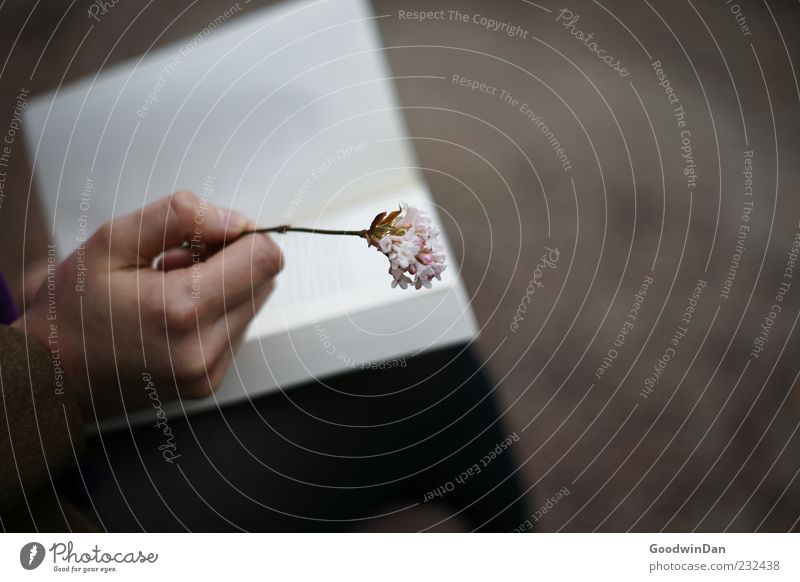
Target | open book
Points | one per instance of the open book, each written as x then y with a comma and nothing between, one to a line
289,115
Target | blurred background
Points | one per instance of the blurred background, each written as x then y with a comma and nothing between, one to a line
640,210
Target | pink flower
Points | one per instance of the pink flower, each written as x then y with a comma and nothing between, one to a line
411,243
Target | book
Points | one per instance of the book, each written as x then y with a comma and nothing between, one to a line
289,115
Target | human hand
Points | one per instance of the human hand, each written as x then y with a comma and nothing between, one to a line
109,317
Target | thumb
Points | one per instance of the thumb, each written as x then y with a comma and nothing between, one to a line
137,238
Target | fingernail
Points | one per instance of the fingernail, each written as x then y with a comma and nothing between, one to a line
234,219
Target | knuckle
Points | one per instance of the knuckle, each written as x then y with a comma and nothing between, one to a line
183,204
152,302
194,360
198,390
182,199
267,256
189,376
181,314
102,236
189,366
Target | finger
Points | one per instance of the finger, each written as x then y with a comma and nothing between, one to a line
184,256
137,238
236,273
177,258
215,374
221,344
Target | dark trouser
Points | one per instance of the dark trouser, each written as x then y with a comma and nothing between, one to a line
318,458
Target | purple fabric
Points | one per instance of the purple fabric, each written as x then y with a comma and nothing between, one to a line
8,307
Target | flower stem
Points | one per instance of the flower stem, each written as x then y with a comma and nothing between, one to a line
284,228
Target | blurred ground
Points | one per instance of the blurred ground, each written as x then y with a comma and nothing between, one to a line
714,445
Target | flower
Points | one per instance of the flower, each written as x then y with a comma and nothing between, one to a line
406,236
411,243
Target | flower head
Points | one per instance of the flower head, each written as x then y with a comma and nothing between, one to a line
411,243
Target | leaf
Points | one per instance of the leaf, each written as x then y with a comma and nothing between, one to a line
377,220
391,216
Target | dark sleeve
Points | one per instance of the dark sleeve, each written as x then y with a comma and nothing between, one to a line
41,429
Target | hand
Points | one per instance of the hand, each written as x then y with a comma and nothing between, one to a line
109,316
